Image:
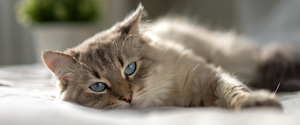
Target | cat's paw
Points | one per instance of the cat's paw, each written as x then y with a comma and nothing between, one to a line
259,98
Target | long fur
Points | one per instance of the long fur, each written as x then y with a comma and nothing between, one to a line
178,64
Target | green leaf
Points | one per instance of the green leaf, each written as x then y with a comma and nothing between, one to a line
39,11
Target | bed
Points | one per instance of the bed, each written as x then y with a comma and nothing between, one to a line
27,98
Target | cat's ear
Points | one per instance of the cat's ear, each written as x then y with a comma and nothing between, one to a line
58,62
131,24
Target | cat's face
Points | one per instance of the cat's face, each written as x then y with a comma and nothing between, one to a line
116,72
107,71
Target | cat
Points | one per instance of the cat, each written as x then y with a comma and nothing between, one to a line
170,62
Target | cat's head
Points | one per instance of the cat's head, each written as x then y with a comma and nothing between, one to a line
109,70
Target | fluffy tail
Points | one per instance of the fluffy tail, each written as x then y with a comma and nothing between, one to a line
280,64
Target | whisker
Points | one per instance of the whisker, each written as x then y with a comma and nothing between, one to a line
126,39
195,67
277,88
81,63
115,42
154,86
201,75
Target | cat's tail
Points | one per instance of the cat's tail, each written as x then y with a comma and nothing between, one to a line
280,65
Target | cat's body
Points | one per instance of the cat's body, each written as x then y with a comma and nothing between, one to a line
175,64
231,52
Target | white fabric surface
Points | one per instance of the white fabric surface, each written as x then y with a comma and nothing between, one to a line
26,97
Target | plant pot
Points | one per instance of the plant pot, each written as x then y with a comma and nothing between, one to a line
60,36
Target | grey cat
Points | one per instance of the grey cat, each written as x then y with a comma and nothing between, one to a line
169,62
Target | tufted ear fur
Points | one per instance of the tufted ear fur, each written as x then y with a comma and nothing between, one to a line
130,25
58,62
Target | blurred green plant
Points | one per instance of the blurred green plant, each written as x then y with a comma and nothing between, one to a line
42,11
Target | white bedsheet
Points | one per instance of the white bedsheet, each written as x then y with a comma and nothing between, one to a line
26,98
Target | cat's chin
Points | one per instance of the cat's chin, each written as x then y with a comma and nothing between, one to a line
128,106
136,104
133,106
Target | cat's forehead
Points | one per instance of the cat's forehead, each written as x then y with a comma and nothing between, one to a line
107,49
111,43
101,42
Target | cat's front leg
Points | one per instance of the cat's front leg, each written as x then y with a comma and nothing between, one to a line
233,94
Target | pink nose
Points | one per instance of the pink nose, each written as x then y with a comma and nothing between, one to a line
127,97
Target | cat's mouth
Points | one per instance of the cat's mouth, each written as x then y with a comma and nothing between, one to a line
135,104
132,106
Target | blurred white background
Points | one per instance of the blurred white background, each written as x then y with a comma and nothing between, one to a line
263,21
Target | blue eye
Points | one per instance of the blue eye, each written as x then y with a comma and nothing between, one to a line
98,87
130,69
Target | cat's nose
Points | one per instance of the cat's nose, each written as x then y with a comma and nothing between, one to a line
127,97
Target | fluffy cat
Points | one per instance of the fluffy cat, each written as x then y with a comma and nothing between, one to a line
169,62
